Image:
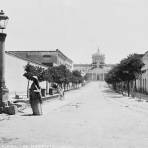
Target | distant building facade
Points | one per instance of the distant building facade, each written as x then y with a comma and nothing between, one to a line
97,69
83,68
48,58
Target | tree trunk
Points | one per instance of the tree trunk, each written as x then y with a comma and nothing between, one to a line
47,88
28,89
122,88
128,88
135,87
64,85
132,88
114,86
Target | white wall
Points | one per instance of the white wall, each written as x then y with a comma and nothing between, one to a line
15,81
14,70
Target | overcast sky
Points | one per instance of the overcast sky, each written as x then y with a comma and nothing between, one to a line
78,27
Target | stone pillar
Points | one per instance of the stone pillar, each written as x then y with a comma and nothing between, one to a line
3,90
5,105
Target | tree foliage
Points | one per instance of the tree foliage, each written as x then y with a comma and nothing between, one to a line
57,74
76,77
31,70
127,70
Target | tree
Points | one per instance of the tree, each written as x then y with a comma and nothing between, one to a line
30,71
76,77
126,71
56,74
59,74
132,68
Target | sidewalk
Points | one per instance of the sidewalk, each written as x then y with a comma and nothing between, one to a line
23,106
137,95
50,103
141,96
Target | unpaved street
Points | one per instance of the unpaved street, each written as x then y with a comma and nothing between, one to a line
90,117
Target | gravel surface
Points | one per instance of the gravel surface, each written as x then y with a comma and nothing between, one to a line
91,117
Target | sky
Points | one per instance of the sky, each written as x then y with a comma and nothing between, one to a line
78,27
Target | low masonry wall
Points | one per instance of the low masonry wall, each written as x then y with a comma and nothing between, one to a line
26,100
24,103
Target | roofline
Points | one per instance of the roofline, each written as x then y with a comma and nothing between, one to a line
81,64
25,59
32,51
57,50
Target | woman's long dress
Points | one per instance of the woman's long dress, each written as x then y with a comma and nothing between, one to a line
35,100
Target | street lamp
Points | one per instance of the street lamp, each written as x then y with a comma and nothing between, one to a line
5,106
3,20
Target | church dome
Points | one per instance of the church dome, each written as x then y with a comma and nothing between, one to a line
97,53
98,58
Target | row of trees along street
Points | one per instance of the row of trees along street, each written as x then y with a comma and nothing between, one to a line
56,74
123,76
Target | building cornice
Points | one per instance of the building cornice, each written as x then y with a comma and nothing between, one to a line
24,59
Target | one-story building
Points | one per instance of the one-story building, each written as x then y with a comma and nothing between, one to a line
15,61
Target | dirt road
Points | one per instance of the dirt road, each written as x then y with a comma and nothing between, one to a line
91,117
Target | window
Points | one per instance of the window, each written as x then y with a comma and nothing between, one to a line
48,64
47,56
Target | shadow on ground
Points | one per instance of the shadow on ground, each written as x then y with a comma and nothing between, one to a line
112,94
27,115
4,140
31,115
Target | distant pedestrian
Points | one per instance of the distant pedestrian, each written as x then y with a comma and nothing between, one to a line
61,92
35,97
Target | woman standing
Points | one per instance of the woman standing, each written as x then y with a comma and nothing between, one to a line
35,96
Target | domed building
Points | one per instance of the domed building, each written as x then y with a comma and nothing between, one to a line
98,59
97,69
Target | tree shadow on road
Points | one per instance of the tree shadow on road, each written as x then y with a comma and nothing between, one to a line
27,115
112,94
4,140
30,115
